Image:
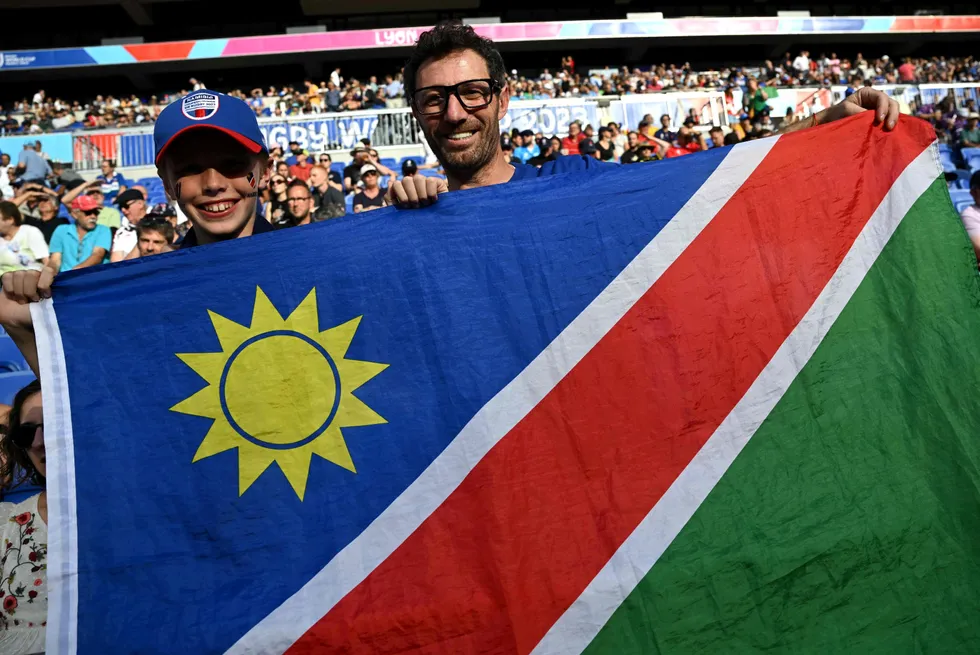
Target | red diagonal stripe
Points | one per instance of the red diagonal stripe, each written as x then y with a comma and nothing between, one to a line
502,558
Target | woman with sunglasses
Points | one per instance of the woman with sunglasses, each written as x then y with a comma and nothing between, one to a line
274,200
24,527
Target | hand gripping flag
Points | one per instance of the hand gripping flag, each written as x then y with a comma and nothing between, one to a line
725,403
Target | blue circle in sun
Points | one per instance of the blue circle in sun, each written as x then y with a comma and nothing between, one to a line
265,335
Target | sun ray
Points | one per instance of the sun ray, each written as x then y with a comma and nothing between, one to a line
230,334
265,316
220,437
337,339
267,398
354,372
295,465
252,462
354,413
203,403
332,447
207,365
304,317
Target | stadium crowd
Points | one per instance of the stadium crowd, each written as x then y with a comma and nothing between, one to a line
109,220
42,113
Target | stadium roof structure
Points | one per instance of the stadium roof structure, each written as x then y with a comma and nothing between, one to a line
527,34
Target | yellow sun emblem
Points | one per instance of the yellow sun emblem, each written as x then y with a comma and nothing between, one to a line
280,391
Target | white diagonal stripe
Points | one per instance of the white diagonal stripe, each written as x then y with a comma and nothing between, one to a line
288,622
581,622
61,632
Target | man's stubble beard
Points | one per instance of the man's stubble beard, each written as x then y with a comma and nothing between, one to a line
465,164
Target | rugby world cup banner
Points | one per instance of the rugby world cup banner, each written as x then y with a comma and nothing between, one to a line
549,117
329,133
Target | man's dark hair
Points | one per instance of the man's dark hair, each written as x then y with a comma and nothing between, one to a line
447,37
715,129
296,182
731,139
975,180
156,224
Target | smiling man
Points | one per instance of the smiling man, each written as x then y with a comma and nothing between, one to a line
212,159
455,82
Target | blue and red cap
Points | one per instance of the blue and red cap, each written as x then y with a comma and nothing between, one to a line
208,109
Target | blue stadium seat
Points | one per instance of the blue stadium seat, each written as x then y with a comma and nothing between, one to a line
11,383
961,198
390,162
10,358
971,156
946,158
962,178
349,201
945,147
148,181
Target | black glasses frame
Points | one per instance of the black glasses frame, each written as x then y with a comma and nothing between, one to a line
453,89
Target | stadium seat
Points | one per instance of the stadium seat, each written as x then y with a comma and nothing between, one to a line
349,201
10,357
945,147
11,383
946,158
962,178
961,198
971,157
390,162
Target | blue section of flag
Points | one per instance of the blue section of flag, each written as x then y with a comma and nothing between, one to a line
457,299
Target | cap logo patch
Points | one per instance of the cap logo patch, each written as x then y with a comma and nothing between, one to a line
199,106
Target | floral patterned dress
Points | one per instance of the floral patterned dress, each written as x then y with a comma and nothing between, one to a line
23,579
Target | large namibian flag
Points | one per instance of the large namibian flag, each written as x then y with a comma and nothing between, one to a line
727,403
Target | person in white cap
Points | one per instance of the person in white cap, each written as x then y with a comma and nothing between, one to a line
372,196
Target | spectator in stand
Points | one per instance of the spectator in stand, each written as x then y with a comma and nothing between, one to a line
717,137
586,148
23,569
528,148
31,167
64,178
332,97
969,136
632,153
664,133
300,203
570,144
372,195
132,204
549,150
688,142
6,190
605,149
21,246
301,169
154,235
906,72
971,215
84,244
47,219
282,168
620,140
352,172
295,152
328,199
333,177
275,198
112,182
755,100
108,216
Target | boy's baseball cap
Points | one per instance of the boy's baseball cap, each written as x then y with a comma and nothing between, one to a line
208,109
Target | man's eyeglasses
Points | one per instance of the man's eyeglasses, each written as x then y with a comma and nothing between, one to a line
90,212
472,94
298,199
324,160
23,435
